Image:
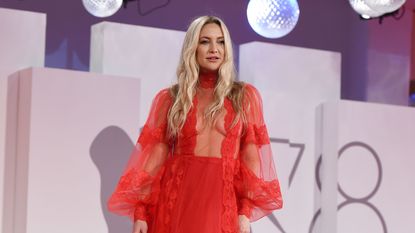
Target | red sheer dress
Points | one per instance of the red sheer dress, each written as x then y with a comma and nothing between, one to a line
207,176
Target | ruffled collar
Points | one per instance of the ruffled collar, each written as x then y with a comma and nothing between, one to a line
208,80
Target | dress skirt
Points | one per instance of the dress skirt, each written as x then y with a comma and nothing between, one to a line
191,196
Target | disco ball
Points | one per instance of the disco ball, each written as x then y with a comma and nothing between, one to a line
102,8
273,18
385,6
363,9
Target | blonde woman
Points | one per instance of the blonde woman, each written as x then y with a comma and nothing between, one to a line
203,161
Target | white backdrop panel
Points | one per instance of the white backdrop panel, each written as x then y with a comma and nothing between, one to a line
293,82
22,44
388,76
73,140
375,167
151,54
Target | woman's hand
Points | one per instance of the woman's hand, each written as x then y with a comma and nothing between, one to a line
244,225
140,226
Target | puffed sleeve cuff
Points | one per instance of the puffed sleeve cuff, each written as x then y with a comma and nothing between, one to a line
245,208
140,213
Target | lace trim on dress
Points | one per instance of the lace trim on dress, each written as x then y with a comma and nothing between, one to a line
256,134
173,185
140,213
172,188
228,149
151,136
208,80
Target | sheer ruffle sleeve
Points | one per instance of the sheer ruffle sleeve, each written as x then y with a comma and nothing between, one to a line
256,183
138,188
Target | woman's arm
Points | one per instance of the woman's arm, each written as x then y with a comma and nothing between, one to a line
139,185
256,183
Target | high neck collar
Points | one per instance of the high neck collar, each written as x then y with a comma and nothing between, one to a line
208,80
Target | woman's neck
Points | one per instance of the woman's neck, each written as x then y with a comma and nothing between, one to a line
208,79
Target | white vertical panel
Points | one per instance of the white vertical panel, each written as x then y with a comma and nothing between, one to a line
9,192
75,131
327,171
375,167
22,44
151,54
293,81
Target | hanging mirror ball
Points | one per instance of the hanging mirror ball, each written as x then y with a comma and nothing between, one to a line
385,6
273,18
363,9
102,8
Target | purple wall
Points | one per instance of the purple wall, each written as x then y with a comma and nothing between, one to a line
324,24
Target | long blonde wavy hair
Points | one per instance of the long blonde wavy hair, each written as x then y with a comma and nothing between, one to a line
188,76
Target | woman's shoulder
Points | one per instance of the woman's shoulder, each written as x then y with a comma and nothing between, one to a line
247,88
163,97
167,93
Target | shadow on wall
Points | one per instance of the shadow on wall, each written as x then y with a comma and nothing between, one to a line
110,152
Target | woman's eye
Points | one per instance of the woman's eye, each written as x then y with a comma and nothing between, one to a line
204,42
221,42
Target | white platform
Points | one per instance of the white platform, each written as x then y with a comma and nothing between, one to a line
70,137
151,54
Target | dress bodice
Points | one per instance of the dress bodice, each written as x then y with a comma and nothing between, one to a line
200,138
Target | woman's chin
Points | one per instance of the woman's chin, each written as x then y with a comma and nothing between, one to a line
209,69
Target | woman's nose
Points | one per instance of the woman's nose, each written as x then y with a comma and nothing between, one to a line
213,48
